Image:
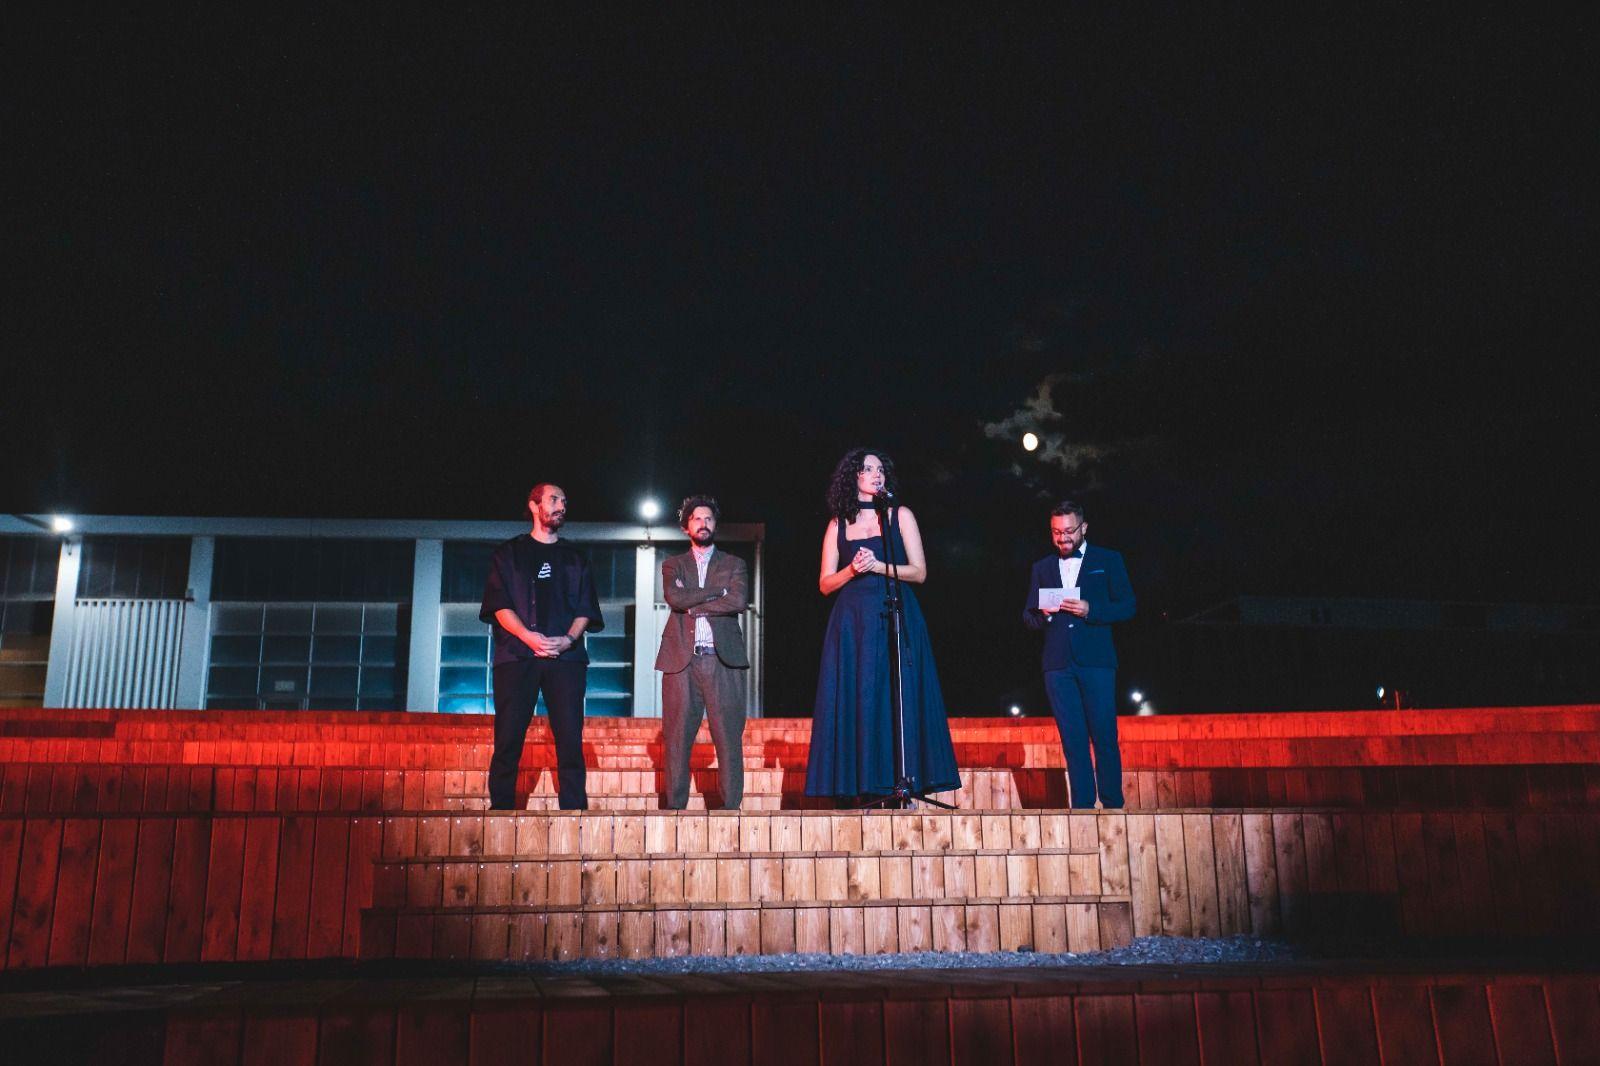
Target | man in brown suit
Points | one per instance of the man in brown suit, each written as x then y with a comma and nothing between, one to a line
702,659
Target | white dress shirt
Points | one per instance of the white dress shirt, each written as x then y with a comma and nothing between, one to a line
702,624
1069,567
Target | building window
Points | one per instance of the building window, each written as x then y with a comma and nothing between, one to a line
307,656
465,648
312,570
27,609
134,568
466,569
28,568
24,651
464,682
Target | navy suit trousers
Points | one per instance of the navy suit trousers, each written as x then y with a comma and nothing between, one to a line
1084,701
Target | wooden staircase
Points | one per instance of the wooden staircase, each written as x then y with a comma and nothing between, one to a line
110,761
180,837
601,885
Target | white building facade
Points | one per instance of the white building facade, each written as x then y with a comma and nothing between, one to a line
311,614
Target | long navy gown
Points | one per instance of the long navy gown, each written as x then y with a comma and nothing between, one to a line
852,733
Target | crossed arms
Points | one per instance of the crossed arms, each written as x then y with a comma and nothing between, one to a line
709,602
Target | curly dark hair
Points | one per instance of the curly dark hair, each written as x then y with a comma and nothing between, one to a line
842,502
687,508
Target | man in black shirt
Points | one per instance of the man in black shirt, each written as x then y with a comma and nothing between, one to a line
540,599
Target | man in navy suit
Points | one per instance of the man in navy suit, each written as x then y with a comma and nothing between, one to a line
1080,663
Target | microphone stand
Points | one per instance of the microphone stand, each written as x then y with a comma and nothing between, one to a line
905,790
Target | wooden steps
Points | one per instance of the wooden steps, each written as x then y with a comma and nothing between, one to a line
1376,787
513,834
355,725
729,883
625,885
1275,761
715,877
348,738
100,761
176,837
872,927
102,788
112,889
1000,751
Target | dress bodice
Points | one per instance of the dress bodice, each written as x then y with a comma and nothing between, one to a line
848,545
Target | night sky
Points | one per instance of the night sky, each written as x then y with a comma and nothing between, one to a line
1301,307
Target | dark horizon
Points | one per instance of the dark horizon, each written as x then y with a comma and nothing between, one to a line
1300,307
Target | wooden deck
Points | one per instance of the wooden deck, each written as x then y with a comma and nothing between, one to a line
145,837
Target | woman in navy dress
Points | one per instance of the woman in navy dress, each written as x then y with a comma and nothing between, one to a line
852,728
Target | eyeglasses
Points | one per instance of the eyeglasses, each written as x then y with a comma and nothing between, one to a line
1073,532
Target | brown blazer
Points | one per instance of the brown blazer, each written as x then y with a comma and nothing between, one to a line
680,583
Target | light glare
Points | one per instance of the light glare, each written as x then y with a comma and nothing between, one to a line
649,510
61,524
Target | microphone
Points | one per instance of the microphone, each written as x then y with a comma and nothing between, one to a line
882,500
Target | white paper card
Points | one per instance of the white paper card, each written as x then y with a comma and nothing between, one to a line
1050,599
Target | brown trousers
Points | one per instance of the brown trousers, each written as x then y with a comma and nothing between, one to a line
706,688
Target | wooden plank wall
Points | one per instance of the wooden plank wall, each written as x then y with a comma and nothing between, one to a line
1444,1018
181,888
186,888
1308,873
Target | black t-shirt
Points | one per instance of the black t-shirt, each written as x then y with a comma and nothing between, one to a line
542,560
546,586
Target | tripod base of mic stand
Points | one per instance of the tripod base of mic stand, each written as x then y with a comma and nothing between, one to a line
904,795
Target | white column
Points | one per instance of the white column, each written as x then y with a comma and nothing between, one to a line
427,587
194,658
646,634
61,626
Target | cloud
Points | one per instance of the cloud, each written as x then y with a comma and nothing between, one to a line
1038,414
1069,456
1037,411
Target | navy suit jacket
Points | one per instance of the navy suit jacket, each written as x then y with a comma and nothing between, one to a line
1070,640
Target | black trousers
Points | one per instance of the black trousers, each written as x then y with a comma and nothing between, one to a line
516,692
